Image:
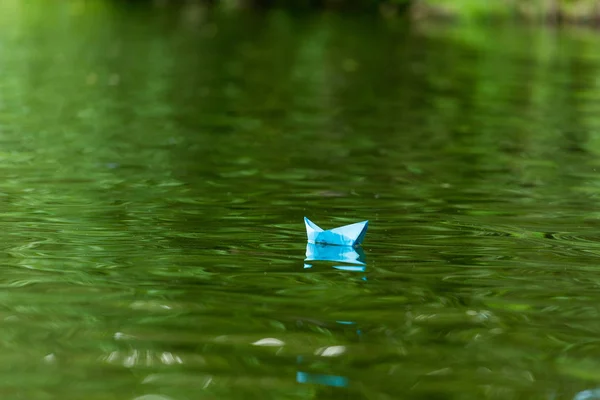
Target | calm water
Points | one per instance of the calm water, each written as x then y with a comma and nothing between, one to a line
157,163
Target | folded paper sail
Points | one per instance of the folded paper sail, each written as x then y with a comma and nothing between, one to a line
344,254
347,235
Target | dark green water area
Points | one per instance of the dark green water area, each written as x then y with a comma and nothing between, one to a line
156,165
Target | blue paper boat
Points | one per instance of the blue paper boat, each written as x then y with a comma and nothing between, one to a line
347,235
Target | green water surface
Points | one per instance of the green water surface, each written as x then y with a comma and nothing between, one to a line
156,165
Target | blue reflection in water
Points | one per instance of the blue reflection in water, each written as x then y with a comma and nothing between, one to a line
325,379
345,254
351,268
592,394
341,254
320,379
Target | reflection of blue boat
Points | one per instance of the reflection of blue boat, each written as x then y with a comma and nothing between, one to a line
344,254
319,248
325,379
351,268
592,394
320,379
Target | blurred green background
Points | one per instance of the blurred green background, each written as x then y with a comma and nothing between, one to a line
157,159
549,11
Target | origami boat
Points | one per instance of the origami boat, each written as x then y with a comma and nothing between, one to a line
347,235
